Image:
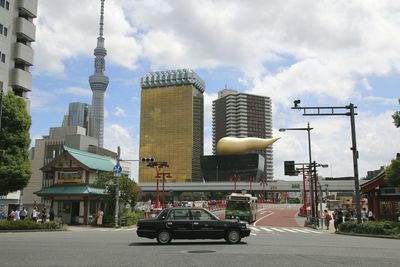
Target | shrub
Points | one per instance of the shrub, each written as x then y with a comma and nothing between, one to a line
132,216
372,228
28,225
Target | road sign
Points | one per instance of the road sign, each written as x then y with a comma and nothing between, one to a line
117,169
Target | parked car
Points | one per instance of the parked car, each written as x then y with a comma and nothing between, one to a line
190,223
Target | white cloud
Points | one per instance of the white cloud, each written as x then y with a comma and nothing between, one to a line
78,91
119,112
40,100
116,135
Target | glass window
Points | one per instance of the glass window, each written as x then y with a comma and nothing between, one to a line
1,28
7,5
5,31
179,215
2,2
201,215
3,58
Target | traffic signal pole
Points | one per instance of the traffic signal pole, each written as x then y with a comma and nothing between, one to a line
117,187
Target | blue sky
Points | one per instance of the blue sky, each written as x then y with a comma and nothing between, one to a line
326,53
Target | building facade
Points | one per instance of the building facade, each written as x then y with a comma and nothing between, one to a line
243,115
78,115
17,32
172,123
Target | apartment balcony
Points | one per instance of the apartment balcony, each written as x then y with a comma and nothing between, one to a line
28,7
25,28
21,79
23,53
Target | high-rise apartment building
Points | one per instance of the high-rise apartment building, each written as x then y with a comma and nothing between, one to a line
78,115
243,115
171,123
98,83
17,32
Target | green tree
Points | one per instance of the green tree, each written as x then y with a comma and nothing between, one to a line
396,118
15,166
392,173
129,190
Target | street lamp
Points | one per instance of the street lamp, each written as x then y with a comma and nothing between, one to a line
333,111
308,129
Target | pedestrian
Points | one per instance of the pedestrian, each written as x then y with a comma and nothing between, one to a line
34,214
23,213
11,216
364,214
340,218
51,214
44,215
327,218
17,212
99,217
371,216
335,219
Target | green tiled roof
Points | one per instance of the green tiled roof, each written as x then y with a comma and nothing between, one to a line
92,161
71,190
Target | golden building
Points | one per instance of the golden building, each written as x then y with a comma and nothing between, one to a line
171,124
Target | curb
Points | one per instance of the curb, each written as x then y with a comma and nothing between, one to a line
367,235
32,230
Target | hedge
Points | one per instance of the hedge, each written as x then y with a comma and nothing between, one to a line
28,225
372,227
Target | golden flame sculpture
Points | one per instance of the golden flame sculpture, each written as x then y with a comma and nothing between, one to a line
234,145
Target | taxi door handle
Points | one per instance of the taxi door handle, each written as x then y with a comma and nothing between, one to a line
196,223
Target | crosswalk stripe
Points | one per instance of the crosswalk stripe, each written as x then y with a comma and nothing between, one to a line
266,229
301,231
311,231
279,230
289,230
253,234
255,229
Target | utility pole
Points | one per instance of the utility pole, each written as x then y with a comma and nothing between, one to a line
117,174
333,111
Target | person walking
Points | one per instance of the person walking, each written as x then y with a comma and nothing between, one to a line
34,214
371,216
99,217
17,212
44,215
335,219
364,215
327,218
23,213
51,214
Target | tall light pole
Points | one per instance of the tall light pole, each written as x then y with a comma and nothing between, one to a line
308,129
333,111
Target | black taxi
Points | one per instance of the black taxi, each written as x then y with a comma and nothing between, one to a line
190,223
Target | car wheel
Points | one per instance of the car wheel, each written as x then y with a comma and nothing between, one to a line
233,236
164,237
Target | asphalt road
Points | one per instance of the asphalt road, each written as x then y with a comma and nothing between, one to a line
266,246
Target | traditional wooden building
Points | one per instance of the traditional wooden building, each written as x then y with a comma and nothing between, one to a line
383,200
69,185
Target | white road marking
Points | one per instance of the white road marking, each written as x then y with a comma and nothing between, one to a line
253,234
302,231
289,230
311,231
266,229
255,223
276,229
255,229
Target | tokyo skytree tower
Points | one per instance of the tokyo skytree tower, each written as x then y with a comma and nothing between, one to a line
98,83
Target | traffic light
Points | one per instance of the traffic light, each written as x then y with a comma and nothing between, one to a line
290,168
148,160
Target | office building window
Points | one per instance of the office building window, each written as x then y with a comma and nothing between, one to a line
1,28
5,31
3,58
7,5
2,3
